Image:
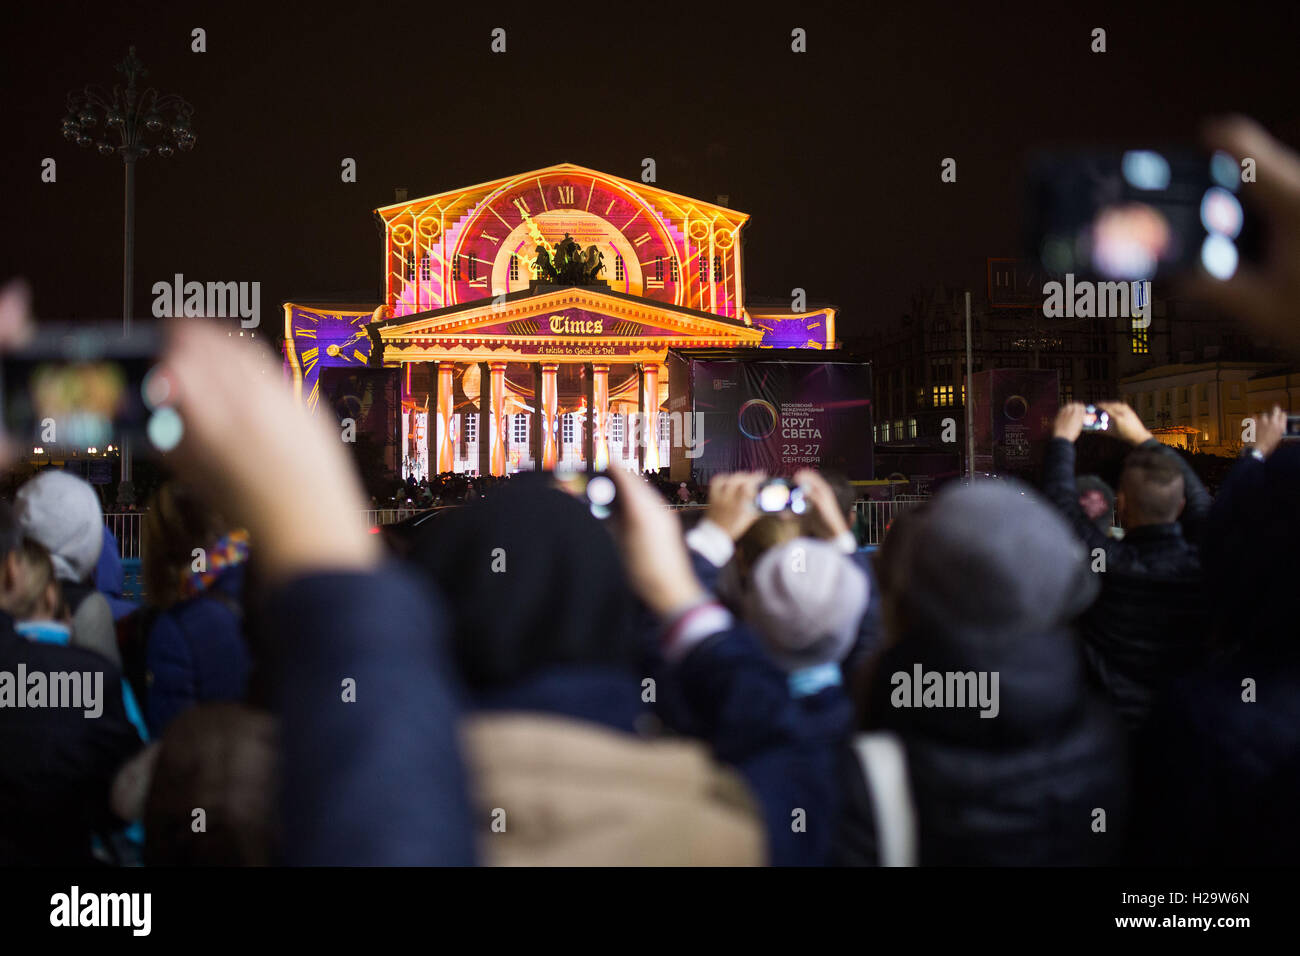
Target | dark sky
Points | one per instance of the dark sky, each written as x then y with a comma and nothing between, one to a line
835,153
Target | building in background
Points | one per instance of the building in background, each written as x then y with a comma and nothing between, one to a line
495,350
1202,407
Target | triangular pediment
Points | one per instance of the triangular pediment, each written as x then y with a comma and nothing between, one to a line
569,313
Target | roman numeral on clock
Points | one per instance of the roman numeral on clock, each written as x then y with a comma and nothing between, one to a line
642,239
489,237
565,193
522,206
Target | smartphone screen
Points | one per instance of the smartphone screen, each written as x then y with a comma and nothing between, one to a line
1139,214
78,387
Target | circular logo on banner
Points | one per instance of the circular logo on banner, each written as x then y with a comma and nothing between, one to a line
1015,408
757,418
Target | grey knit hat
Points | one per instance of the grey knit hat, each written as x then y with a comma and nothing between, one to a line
805,599
61,512
992,559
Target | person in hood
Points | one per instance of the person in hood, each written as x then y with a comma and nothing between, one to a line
110,578
61,512
565,762
1009,757
194,572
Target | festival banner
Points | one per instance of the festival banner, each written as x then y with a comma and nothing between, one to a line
778,417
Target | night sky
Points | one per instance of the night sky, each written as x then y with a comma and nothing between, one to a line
834,153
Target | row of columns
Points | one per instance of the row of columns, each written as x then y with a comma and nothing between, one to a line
492,431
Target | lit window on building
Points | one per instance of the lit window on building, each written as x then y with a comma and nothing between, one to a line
911,428
1067,392
717,268
471,426
884,431
514,268
455,268
616,427
410,264
665,428
942,396
618,268
704,268
471,266
672,268
568,427
1141,342
519,429
659,268
426,268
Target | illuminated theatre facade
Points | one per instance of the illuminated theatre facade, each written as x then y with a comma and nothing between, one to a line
500,365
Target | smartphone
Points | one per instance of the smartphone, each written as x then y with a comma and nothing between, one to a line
780,494
83,386
1292,427
1095,419
1139,214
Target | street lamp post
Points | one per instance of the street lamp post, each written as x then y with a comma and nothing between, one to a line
137,120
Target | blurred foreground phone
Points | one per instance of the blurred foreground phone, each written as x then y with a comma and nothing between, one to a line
1292,428
1139,214
85,385
598,492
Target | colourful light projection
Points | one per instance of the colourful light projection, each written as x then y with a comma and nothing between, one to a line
460,287
479,242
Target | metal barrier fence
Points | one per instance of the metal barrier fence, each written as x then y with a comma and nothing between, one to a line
126,528
126,525
876,517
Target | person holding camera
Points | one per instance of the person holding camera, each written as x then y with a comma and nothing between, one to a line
1148,622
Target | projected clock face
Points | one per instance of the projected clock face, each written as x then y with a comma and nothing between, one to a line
327,340
496,249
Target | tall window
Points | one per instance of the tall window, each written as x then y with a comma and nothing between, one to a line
717,268
471,264
410,263
568,427
618,268
1140,342
616,427
659,268
942,396
884,431
704,268
672,268
514,268
665,427
455,268
470,431
426,268
911,428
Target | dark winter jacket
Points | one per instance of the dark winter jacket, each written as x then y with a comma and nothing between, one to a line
1149,623
196,651
58,763
369,708
1020,789
1220,756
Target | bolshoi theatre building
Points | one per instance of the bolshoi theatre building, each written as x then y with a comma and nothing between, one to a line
528,322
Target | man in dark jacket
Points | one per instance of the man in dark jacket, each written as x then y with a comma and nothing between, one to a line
1219,755
1149,622
59,761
